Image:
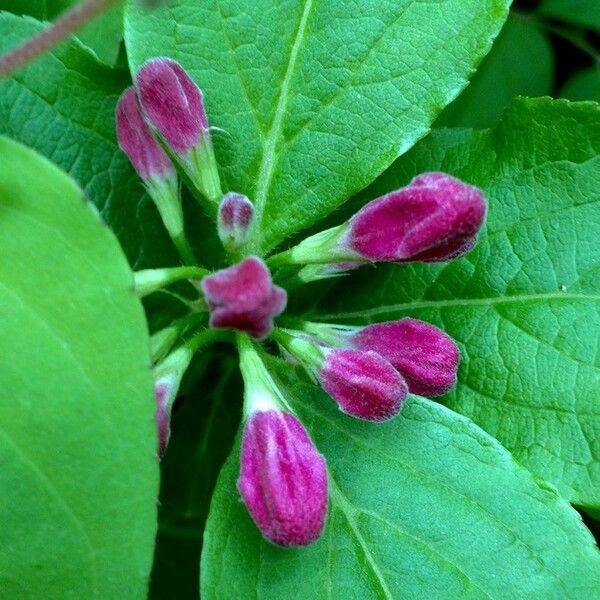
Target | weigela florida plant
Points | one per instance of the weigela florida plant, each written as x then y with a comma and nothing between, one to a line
162,126
397,315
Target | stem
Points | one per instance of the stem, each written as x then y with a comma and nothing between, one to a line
151,280
260,390
204,337
63,27
184,249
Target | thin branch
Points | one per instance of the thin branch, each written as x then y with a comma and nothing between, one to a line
63,27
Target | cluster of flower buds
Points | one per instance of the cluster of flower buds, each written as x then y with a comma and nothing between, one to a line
368,371
161,122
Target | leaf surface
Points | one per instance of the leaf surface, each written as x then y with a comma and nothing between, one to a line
79,474
424,506
524,305
62,105
315,99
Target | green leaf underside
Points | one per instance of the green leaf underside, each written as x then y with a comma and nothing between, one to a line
523,305
62,105
424,506
78,474
314,105
520,63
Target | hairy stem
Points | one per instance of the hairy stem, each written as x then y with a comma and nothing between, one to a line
63,27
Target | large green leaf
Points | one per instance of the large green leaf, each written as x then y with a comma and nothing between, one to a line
316,98
63,106
519,64
524,304
79,474
424,506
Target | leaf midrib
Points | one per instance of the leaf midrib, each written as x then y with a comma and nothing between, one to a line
267,165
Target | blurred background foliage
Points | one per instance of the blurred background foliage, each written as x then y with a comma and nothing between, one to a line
546,48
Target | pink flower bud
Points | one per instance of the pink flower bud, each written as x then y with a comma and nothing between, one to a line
136,140
436,217
243,297
172,102
283,479
363,383
163,392
426,356
235,217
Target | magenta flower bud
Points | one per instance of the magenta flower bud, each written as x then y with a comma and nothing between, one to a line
136,140
363,383
163,392
235,217
436,217
426,356
283,479
172,103
244,297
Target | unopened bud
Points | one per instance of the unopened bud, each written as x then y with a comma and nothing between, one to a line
363,383
244,297
435,218
136,140
165,390
173,105
427,357
167,378
283,479
234,220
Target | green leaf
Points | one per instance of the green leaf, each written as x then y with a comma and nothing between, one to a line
521,63
103,35
202,433
424,506
63,106
584,85
79,474
316,98
524,305
585,13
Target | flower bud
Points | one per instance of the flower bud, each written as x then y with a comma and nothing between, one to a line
164,392
167,378
153,166
234,220
363,383
173,105
426,356
136,140
243,297
283,479
172,102
436,217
